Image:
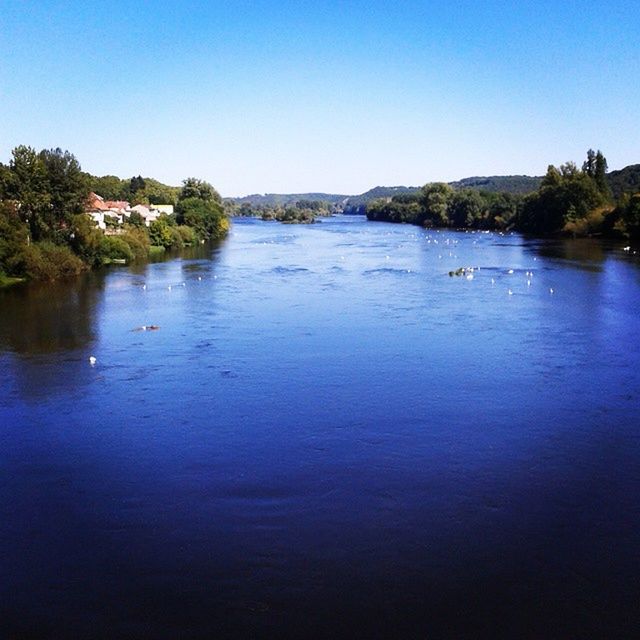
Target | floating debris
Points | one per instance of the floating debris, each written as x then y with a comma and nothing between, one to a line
92,360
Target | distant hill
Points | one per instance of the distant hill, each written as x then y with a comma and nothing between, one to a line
625,180
379,192
509,184
501,184
283,199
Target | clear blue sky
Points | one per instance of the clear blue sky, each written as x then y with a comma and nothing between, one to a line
332,96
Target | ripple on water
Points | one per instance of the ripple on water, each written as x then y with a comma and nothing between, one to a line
288,270
387,271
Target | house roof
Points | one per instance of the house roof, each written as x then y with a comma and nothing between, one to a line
117,204
94,201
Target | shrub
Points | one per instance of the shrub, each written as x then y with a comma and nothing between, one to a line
114,248
138,242
187,235
47,261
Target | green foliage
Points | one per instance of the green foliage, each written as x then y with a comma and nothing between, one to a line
45,234
565,195
137,184
109,187
136,219
194,188
51,189
115,248
85,239
301,211
138,240
595,166
435,199
161,233
158,193
514,185
14,237
48,261
137,190
187,235
630,216
625,180
205,216
465,208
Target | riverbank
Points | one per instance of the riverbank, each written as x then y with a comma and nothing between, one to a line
6,281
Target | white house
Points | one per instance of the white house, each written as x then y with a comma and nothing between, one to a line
98,217
163,208
146,213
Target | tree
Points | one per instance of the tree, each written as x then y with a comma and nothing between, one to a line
589,165
435,199
600,175
137,183
465,209
564,195
196,188
205,216
67,191
27,186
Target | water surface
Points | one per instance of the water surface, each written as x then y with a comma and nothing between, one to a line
327,436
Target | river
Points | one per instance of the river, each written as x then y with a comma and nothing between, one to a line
326,435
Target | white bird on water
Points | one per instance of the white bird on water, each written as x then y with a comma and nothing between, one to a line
510,292
92,360
551,290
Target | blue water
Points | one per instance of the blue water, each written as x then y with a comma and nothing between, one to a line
327,436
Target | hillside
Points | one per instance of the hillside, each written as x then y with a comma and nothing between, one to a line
508,184
283,199
500,184
625,180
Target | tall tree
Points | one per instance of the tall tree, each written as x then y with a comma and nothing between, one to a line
589,165
434,199
600,175
196,188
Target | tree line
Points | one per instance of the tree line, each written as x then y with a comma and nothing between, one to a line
45,233
569,200
302,211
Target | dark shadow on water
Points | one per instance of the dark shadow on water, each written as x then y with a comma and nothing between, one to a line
582,253
42,318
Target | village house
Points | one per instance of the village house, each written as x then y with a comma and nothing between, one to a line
104,211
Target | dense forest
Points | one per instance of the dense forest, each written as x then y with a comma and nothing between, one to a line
568,200
45,233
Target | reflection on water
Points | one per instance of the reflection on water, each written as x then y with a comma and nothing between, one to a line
48,317
587,253
327,436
